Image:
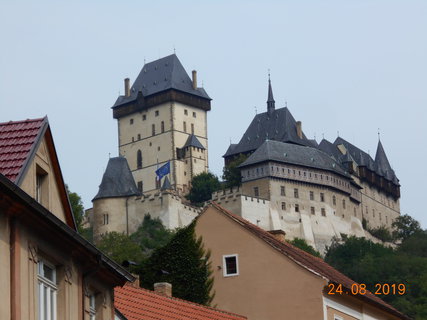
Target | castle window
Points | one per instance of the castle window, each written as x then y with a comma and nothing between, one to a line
334,200
139,159
322,197
305,174
373,213
185,111
230,265
311,195
156,113
131,121
282,191
354,210
315,175
323,211
162,126
106,218
343,203
297,208
139,136
366,210
140,186
144,117
256,192
133,139
296,195
158,148
153,129
185,173
289,171
312,210
194,114
321,177
283,205
192,128
184,125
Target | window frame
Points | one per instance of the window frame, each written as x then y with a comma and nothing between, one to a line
224,265
47,291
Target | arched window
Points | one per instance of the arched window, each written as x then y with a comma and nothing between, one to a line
139,159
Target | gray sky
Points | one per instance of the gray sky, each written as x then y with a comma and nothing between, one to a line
342,66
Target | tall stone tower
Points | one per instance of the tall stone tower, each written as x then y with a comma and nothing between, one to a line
162,118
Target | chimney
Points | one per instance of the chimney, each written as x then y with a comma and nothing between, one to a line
163,288
299,129
127,87
278,234
194,79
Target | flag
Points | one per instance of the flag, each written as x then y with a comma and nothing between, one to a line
163,170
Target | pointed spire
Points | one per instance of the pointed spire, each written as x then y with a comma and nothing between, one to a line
381,160
270,101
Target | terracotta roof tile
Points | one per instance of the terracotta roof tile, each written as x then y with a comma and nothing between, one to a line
17,139
137,304
314,264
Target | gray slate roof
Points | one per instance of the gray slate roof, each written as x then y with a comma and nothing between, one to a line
117,180
166,184
380,165
160,75
278,125
294,154
192,141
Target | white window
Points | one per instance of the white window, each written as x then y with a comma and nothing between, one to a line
92,307
230,265
47,291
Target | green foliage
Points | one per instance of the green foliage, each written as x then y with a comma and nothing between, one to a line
415,245
184,263
202,186
76,207
405,226
151,235
370,263
120,247
231,173
303,245
87,233
381,233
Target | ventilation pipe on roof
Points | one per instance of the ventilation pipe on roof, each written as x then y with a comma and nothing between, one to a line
194,79
299,129
163,288
127,87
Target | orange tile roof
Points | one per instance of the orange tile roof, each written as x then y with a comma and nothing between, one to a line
314,264
141,304
17,140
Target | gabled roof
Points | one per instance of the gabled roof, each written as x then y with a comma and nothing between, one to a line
19,141
161,75
17,203
117,180
141,304
278,125
311,263
192,141
18,144
294,154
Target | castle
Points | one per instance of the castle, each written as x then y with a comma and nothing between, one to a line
290,184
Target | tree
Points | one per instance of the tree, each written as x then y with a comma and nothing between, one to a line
76,207
120,247
381,233
303,245
202,186
415,245
151,235
184,263
405,226
231,173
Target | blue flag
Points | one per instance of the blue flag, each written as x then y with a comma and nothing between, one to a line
163,170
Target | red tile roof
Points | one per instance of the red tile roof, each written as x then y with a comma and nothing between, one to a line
141,304
17,140
315,265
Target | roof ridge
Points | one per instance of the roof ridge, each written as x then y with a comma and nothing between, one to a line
23,121
128,285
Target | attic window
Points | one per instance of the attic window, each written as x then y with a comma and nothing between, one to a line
230,265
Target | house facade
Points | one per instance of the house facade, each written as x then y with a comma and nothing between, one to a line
257,274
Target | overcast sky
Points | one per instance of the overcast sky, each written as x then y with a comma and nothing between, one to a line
351,67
